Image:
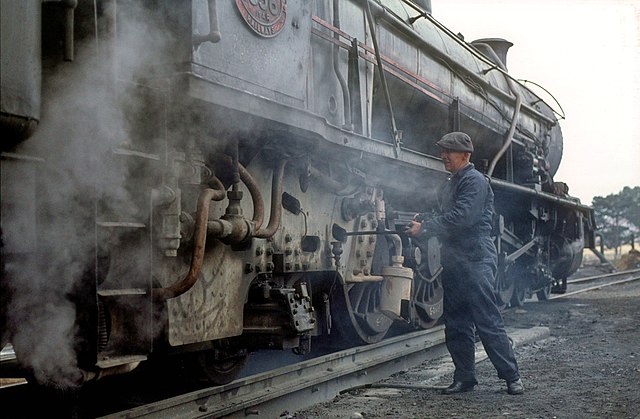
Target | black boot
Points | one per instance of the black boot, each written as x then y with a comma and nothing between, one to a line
459,387
515,387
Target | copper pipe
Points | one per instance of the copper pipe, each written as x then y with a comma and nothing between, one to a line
215,184
254,190
256,196
276,203
200,239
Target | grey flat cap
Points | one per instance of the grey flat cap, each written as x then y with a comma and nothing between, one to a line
456,141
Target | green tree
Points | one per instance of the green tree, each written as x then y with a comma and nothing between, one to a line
630,200
618,216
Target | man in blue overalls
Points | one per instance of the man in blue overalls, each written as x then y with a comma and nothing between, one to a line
469,260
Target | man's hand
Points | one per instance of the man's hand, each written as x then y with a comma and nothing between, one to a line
413,228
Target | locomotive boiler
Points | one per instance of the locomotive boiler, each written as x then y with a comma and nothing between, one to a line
201,179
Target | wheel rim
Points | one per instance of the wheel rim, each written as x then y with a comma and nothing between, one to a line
357,311
427,299
544,293
505,287
427,293
220,371
517,299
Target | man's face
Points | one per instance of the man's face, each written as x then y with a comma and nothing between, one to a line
454,160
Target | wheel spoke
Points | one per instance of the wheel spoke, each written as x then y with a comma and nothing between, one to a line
357,313
427,300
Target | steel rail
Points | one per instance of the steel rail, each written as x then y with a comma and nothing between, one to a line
633,272
596,277
299,385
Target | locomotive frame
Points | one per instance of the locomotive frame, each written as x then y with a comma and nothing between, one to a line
225,109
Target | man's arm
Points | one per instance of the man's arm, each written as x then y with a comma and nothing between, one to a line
466,211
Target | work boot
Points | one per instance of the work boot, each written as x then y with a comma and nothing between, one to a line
459,387
515,387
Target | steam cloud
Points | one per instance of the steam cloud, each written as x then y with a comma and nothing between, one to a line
82,121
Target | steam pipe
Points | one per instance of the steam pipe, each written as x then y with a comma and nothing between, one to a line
200,238
516,111
254,190
256,196
214,34
397,242
381,215
343,84
276,203
235,171
508,186
215,184
512,128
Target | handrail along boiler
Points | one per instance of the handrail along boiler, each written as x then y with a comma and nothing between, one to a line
144,143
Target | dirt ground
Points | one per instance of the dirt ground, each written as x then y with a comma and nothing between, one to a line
589,367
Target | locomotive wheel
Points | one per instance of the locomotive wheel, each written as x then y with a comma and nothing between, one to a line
356,313
544,293
220,371
519,295
427,299
427,293
505,287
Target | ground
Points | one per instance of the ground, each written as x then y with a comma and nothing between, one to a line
589,367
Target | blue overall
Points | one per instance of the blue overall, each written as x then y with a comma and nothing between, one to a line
469,260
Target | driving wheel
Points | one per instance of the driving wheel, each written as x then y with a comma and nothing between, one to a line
427,293
356,313
505,286
219,369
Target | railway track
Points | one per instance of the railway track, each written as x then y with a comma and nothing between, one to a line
595,282
292,387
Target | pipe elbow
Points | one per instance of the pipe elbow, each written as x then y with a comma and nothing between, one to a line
397,245
276,203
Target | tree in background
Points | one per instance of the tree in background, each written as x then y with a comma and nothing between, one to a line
618,216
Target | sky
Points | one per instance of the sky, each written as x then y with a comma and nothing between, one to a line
587,54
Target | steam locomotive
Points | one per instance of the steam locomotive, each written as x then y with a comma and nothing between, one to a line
144,143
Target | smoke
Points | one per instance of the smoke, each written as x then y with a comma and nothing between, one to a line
83,120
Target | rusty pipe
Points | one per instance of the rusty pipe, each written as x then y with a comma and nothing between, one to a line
200,239
256,196
216,184
254,190
276,203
